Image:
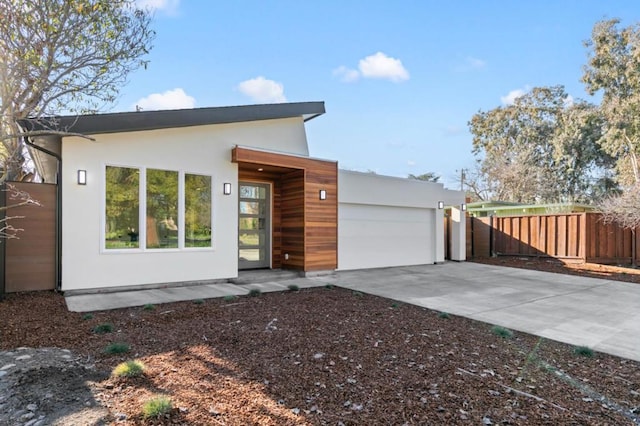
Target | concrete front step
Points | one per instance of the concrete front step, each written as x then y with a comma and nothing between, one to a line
264,275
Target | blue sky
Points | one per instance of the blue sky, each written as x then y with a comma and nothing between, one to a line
400,80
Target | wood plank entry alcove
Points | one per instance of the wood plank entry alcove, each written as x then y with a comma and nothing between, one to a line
303,226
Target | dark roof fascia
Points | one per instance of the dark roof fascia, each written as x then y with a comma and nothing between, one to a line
119,122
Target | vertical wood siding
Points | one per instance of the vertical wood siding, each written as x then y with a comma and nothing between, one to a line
309,226
30,259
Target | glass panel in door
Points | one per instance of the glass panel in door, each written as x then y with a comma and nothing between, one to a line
253,226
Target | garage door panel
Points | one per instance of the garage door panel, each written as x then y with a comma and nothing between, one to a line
378,236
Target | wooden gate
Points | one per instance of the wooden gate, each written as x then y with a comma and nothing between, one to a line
30,259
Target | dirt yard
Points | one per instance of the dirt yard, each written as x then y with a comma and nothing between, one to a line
326,356
609,272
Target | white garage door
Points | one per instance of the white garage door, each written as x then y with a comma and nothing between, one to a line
371,236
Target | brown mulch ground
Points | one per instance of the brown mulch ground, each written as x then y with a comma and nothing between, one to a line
327,356
594,270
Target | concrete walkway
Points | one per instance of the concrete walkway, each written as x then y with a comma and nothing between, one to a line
601,314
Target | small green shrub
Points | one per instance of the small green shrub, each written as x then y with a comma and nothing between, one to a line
584,351
156,407
394,305
198,302
255,292
149,307
129,369
505,333
293,287
329,286
444,315
86,317
230,298
116,348
103,328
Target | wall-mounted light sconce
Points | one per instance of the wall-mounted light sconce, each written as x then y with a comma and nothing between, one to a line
440,205
226,188
82,177
463,207
323,194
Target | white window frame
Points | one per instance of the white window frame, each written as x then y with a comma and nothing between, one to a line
142,213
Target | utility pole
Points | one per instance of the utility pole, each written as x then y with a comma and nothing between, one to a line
462,179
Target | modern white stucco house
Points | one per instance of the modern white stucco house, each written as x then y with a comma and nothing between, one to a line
163,197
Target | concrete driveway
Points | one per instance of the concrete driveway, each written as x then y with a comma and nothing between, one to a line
601,314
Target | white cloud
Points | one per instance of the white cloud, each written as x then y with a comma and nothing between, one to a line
511,97
171,99
382,66
411,163
261,89
452,130
166,6
378,65
469,64
347,75
476,63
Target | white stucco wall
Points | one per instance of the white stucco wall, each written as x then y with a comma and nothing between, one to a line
200,150
387,221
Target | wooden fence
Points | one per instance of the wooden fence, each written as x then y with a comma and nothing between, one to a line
575,236
30,258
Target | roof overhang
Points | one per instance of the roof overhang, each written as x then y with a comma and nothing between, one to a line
119,122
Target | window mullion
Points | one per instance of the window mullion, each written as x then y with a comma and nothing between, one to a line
143,208
181,209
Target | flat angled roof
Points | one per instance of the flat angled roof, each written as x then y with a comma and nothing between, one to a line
164,119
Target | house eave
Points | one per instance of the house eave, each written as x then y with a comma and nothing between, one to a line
119,122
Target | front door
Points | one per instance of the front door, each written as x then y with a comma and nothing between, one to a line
254,226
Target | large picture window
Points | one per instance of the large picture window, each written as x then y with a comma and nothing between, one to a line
197,207
164,209
122,208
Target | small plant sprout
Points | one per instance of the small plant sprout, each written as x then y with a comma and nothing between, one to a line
103,328
87,317
156,407
230,298
116,348
444,315
394,305
503,332
255,292
329,286
149,307
129,369
198,302
584,351
293,287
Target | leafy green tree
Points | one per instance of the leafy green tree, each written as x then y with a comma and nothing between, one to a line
428,177
69,56
542,148
613,69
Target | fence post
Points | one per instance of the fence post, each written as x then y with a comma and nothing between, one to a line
492,236
3,241
472,225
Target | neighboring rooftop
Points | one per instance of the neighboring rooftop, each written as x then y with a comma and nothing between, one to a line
504,208
152,120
